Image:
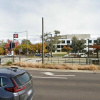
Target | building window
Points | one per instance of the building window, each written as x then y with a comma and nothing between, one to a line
62,46
58,50
95,41
63,41
90,41
68,41
58,46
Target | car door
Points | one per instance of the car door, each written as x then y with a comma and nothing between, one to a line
3,83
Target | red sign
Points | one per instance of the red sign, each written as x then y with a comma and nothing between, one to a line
15,35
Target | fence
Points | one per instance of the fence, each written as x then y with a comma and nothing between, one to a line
54,60
72,61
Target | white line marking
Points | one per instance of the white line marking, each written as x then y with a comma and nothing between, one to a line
63,75
49,77
52,74
48,73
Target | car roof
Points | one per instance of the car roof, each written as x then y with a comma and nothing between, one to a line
11,72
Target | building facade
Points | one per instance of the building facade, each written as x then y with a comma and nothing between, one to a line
66,40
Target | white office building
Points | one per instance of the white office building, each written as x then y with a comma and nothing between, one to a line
67,40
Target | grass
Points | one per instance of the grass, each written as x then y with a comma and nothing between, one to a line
58,54
55,66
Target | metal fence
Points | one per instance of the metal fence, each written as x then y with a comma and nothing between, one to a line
53,60
72,61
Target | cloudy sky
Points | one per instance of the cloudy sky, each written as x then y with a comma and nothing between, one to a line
67,16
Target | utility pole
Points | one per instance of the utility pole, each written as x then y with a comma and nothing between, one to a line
42,40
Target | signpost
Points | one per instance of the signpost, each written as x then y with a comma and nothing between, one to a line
12,44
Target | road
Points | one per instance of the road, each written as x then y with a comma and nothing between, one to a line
59,85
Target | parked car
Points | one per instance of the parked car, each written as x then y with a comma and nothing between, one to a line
65,56
39,55
9,55
15,84
48,55
83,55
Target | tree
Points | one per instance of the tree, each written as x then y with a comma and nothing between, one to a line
52,41
49,40
98,41
37,48
2,47
77,45
56,37
74,44
7,45
25,41
1,51
80,45
24,48
67,49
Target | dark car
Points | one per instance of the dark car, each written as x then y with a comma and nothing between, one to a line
48,55
39,55
15,84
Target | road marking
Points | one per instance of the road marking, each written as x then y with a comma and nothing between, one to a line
49,77
48,73
52,74
63,75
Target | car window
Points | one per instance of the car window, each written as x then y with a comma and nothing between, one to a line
22,79
3,81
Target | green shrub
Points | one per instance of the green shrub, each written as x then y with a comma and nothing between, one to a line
9,63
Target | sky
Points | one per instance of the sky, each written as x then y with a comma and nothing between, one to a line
67,16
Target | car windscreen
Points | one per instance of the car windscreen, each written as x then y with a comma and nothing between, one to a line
22,79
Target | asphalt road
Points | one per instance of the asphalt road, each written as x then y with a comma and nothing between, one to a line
59,85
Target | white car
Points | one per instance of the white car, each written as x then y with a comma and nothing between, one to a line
9,54
83,55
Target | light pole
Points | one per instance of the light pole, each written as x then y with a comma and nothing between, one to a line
42,40
26,40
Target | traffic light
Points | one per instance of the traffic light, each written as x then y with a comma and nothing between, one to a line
15,35
12,45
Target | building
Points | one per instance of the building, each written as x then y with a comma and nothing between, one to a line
66,40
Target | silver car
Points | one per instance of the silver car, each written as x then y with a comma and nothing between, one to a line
15,84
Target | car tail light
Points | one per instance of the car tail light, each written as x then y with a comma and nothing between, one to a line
15,88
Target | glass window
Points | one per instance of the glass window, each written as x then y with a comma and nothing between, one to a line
58,50
58,46
3,81
90,41
68,41
22,79
95,41
63,41
62,46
